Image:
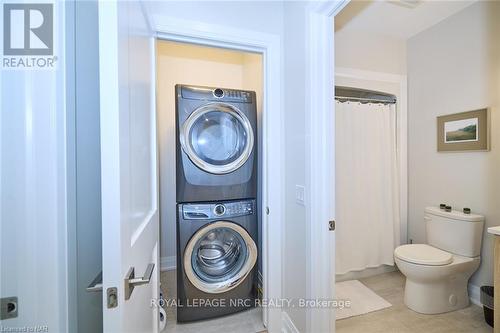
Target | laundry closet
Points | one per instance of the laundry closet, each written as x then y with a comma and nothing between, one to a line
209,117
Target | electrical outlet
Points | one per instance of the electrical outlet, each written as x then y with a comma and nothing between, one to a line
299,194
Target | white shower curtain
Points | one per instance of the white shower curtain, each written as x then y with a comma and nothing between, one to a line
367,195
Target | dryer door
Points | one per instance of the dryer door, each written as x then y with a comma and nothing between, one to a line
217,137
219,257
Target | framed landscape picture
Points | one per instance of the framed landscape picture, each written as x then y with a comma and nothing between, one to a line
466,131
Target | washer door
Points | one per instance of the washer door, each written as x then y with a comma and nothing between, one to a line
219,257
217,138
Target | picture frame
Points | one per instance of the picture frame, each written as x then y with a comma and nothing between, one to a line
465,131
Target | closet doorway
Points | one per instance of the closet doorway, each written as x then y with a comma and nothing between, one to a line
200,66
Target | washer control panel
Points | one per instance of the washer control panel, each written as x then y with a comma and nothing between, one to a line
210,211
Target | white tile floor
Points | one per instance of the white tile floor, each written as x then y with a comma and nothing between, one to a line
249,321
399,319
396,319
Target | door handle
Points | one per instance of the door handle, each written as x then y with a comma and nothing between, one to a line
131,281
96,284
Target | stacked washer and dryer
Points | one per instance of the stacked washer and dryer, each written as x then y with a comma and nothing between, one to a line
216,153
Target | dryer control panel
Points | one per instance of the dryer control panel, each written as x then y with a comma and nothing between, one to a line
217,94
210,211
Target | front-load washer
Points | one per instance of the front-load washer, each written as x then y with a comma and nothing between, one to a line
216,256
216,130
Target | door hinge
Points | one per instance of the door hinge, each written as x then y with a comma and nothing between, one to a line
331,225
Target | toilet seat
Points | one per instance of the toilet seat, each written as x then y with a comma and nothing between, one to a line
423,254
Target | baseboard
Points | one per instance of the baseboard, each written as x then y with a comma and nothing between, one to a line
474,294
168,263
287,324
365,273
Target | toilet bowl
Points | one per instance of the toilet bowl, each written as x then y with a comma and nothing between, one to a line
437,273
436,281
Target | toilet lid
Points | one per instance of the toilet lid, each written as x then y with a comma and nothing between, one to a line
423,254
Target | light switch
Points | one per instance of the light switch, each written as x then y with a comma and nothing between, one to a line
299,194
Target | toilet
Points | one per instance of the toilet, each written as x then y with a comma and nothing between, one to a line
437,273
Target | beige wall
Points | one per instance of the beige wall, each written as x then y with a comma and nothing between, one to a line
366,51
356,46
454,67
179,63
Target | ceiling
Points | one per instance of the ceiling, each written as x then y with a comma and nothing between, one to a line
398,19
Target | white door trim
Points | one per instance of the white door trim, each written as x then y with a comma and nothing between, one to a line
321,166
402,133
269,46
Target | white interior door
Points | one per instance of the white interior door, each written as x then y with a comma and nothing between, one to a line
130,229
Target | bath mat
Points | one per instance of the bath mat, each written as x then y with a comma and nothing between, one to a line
362,299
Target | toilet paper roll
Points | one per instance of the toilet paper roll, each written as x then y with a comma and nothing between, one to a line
163,319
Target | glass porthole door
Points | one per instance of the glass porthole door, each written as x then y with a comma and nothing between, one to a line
217,138
219,257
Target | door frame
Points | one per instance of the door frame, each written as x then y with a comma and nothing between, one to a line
321,167
269,46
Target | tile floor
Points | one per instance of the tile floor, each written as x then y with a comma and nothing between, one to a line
396,319
400,319
244,322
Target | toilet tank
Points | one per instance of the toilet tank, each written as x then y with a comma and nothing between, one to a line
454,231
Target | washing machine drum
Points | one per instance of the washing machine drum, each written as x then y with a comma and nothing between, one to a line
219,257
217,137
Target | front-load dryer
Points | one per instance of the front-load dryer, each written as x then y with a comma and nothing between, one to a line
216,256
216,130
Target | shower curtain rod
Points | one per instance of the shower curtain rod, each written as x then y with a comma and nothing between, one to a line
344,94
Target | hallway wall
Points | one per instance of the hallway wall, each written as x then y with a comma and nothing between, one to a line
35,164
